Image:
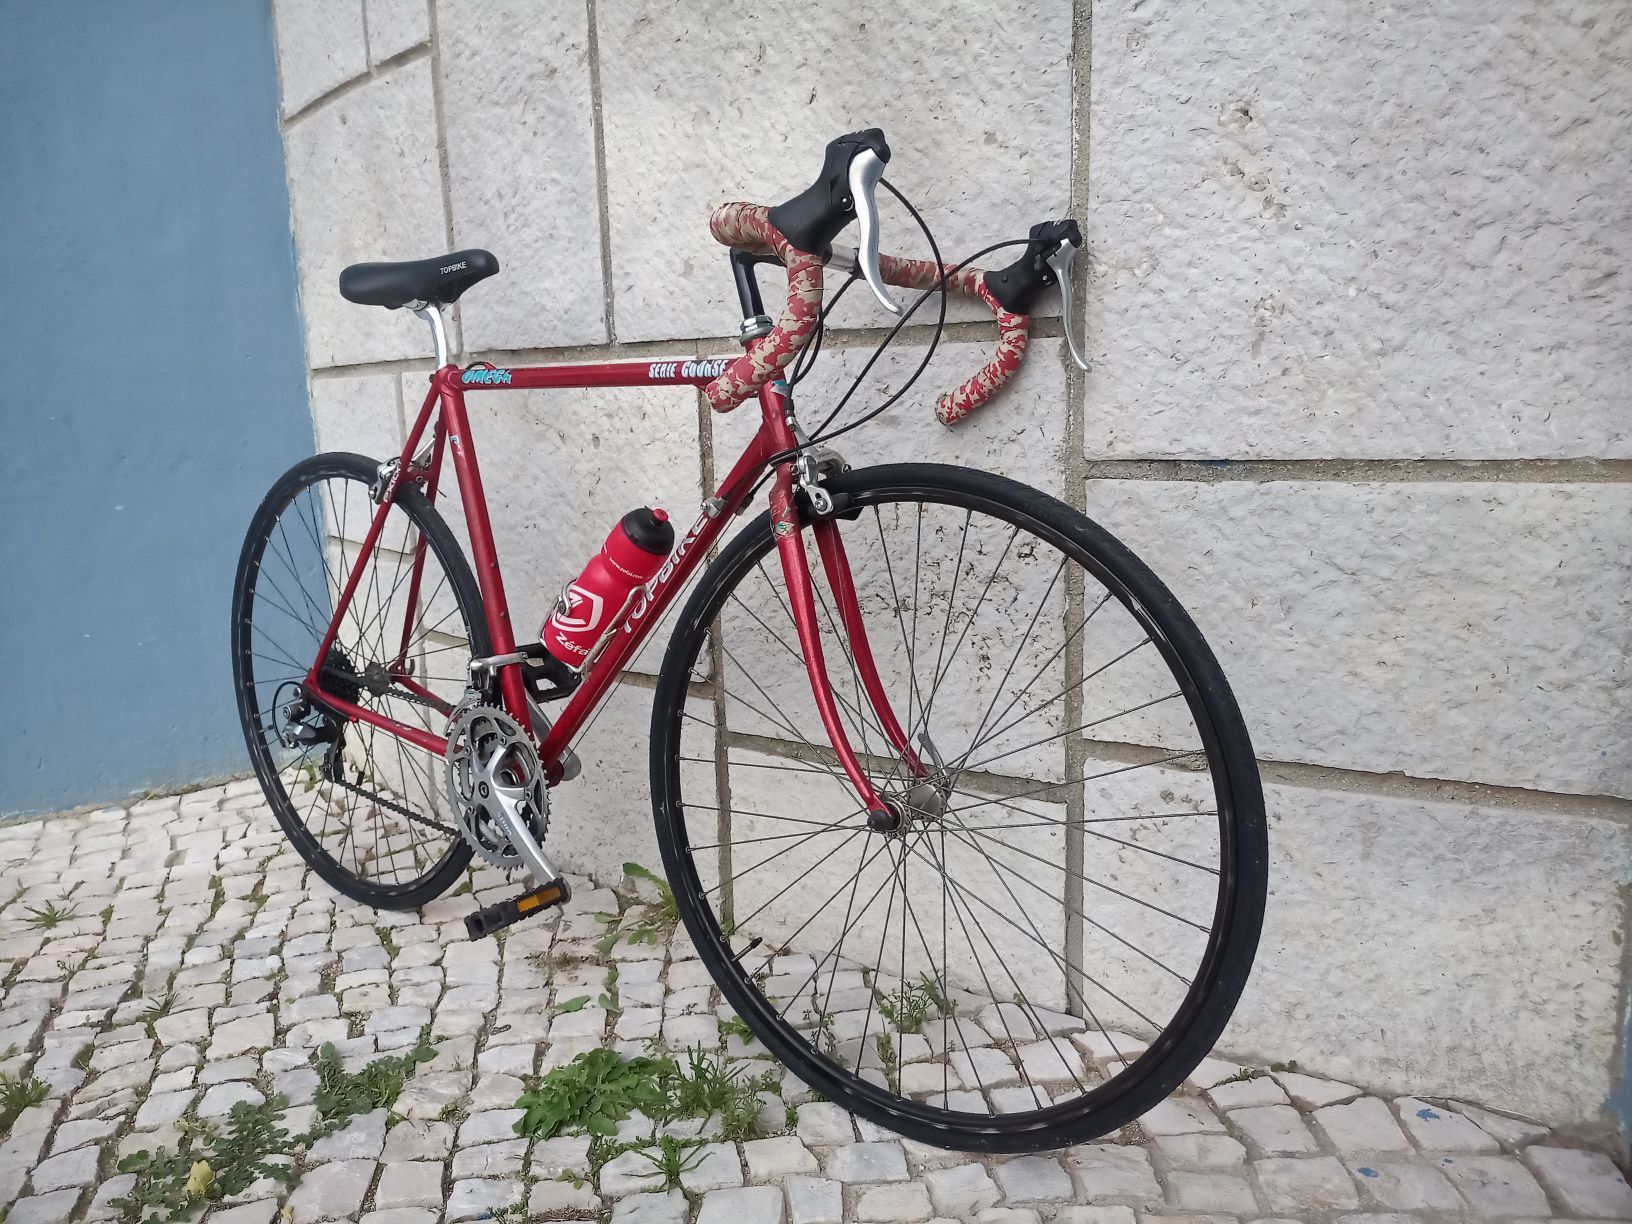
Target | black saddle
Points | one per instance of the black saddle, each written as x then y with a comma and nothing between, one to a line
440,280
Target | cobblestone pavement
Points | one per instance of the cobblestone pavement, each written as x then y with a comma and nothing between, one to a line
163,962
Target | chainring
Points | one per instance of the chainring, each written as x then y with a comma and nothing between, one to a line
491,762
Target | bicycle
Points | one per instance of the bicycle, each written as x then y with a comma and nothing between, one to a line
1060,808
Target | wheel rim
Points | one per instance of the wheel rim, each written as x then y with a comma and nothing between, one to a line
368,804
1006,1059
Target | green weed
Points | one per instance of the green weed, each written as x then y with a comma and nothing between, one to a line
593,1093
910,1008
210,1164
672,1158
49,915
16,1095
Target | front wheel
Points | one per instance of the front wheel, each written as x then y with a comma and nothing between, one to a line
1059,927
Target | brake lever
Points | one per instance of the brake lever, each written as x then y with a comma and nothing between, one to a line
866,168
1050,254
1061,261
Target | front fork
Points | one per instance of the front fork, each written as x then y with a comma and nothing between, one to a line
790,546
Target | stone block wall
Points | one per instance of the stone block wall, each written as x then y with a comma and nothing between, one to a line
1361,393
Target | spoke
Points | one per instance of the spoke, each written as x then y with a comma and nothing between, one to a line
946,626
1075,913
968,896
1087,879
854,711
797,880
895,602
1082,824
1051,822
1071,731
836,827
975,611
978,739
786,722
1070,688
1189,752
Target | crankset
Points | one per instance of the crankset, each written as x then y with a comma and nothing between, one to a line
497,786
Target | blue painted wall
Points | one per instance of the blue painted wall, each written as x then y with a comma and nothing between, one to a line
154,388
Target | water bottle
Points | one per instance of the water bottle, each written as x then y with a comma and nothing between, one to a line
596,601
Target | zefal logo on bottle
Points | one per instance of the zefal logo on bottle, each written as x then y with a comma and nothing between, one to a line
578,610
711,367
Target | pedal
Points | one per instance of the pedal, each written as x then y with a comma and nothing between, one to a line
496,917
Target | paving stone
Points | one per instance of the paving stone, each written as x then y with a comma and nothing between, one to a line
1362,1126
362,1138
1201,1151
564,1153
1276,1130
231,1069
219,1100
503,1159
1079,1213
162,1108
490,1126
71,1135
814,1200
401,1215
50,1208
1437,1129
628,1173
1510,1131
1178,1116
1406,1186
1242,1094
76,1168
481,1199
744,1205
715,1166
866,1162
241,1036
1033,1179
1009,1215
654,1208
907,1202
1317,1183
1584,1183
1111,1171
1309,1092
821,1122
770,1159
1217,1193
331,1192
262,1212
410,1184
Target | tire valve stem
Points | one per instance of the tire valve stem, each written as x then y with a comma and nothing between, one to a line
752,944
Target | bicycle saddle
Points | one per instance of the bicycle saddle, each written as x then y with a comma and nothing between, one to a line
440,280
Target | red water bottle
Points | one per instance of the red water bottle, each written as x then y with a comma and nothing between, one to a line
597,600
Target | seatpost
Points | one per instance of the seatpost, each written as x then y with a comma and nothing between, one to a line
432,314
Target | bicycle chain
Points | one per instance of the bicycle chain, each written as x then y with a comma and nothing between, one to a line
399,809
381,800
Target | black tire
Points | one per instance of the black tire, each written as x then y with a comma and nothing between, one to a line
258,700
1207,1000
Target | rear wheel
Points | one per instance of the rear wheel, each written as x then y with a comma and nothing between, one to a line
367,810
1058,931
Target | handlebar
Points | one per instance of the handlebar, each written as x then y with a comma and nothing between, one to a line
800,233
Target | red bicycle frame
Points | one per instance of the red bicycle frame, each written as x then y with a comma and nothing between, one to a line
443,413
